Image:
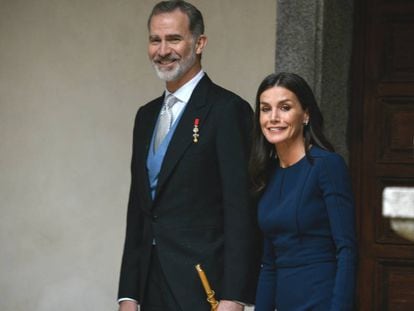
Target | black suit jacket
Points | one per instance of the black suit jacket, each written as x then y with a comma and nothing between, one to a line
202,212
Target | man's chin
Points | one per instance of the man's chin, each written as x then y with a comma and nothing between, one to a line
167,75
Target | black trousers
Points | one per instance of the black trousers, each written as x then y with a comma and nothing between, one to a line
158,295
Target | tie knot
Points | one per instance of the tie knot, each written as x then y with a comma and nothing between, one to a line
170,100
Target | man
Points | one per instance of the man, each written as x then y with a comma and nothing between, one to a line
189,199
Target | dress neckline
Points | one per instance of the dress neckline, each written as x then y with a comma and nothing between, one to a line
292,165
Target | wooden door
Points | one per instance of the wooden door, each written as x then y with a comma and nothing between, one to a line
381,145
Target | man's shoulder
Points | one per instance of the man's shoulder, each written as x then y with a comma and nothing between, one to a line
216,90
223,97
152,104
221,91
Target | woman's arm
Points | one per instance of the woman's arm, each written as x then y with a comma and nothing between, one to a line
265,295
336,186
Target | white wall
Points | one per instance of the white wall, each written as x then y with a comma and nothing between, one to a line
72,75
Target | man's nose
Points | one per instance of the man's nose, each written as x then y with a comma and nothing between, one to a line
164,49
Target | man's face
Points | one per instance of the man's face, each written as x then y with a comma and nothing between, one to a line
172,48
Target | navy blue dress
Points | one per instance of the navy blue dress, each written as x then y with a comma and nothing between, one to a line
307,216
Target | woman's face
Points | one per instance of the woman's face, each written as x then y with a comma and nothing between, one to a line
282,117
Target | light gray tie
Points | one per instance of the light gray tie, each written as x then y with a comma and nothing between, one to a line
165,121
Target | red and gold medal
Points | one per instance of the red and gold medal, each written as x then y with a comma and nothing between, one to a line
196,130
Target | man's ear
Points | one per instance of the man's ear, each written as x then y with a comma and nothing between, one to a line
201,44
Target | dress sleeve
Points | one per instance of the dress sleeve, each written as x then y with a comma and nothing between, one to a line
336,188
266,287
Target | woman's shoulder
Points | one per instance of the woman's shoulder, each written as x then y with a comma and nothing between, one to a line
328,161
318,153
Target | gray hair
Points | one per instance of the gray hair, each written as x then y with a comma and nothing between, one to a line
194,15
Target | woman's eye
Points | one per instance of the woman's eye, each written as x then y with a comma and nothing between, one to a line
285,108
264,109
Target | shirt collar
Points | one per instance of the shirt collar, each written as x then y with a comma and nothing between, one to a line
184,93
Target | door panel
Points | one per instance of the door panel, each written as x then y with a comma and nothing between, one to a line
382,147
394,288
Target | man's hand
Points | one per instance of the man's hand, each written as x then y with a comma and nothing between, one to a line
227,305
128,305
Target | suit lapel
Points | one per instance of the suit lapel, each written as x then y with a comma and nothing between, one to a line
197,107
150,122
145,135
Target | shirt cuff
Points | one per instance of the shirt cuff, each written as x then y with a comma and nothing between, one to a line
242,303
126,299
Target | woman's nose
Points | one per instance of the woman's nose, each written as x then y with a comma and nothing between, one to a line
274,116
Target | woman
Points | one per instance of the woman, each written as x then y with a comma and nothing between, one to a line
306,209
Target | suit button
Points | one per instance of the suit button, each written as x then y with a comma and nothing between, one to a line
154,217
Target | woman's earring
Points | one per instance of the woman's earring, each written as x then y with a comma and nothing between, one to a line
305,123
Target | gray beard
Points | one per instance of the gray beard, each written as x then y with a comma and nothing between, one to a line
178,71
